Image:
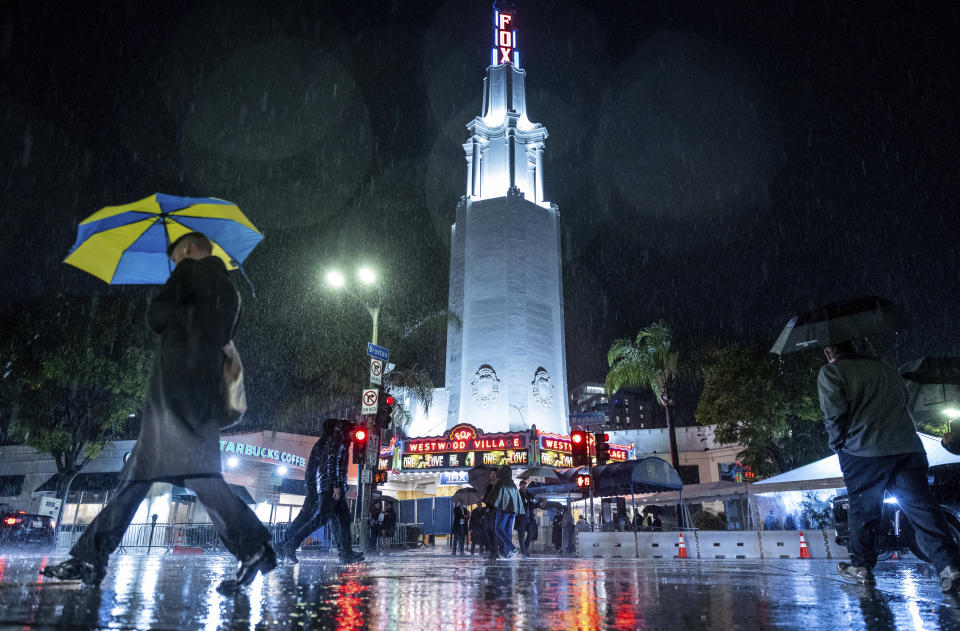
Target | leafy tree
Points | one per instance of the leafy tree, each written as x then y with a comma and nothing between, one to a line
651,361
766,403
77,372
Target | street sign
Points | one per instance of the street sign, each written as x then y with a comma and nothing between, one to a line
376,371
377,352
587,419
369,401
273,497
366,476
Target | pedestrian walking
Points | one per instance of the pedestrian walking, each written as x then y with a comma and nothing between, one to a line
864,406
459,527
494,546
477,537
376,517
582,525
326,478
556,533
569,533
522,521
504,495
388,523
195,314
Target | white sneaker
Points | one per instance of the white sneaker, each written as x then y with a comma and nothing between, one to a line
513,554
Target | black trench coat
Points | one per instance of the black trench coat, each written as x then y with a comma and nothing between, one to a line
194,314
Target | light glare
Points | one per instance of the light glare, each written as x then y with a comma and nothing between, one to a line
335,279
952,413
366,276
232,461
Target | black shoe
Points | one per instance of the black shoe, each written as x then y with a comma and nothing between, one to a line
850,572
76,570
349,556
264,561
287,553
950,580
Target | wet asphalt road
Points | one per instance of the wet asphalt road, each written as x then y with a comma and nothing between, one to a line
430,590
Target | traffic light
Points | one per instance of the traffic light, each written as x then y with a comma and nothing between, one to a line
379,477
603,448
385,411
584,482
578,445
359,439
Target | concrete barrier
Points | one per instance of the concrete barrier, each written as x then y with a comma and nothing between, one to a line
607,545
663,545
717,544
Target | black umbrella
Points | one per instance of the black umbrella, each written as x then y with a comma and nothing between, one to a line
479,477
840,321
468,495
933,382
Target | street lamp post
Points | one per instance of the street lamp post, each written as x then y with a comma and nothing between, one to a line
367,277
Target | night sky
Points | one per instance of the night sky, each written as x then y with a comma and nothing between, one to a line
720,165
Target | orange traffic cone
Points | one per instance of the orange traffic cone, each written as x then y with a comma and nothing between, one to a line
895,557
681,549
177,547
804,550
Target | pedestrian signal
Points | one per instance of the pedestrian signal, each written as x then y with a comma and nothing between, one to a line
603,447
359,445
379,477
578,446
583,481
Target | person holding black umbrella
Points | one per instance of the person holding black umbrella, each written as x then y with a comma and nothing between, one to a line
864,404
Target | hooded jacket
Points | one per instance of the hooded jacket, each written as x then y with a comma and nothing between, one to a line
503,494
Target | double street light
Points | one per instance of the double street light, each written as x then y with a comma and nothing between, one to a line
367,280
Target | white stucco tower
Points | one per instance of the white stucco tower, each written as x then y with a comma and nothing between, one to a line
506,364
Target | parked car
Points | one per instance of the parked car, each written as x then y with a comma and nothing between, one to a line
23,528
896,533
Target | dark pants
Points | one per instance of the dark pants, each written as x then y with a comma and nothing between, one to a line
316,511
477,539
459,539
522,525
905,477
489,528
238,526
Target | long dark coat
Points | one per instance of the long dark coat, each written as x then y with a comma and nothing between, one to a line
194,314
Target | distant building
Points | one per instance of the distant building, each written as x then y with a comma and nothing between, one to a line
628,408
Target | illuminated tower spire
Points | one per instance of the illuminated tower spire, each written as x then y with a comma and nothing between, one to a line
505,150
506,365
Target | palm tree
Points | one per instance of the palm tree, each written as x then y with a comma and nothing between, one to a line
415,381
650,361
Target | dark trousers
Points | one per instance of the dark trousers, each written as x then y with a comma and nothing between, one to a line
521,524
905,477
477,538
316,511
489,528
238,526
459,539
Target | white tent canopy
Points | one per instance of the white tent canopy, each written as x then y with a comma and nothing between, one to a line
825,473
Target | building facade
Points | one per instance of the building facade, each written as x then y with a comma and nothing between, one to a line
628,408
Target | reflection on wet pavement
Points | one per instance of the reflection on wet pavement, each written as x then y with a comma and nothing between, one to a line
428,590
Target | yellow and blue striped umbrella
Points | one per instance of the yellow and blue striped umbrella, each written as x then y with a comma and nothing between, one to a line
127,245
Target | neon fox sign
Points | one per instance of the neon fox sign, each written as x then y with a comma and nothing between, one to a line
505,39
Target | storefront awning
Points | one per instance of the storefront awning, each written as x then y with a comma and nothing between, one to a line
647,475
85,482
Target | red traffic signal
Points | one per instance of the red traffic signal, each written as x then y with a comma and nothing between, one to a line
578,448
390,399
359,444
385,411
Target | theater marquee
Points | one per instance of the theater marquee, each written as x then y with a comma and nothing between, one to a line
466,446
